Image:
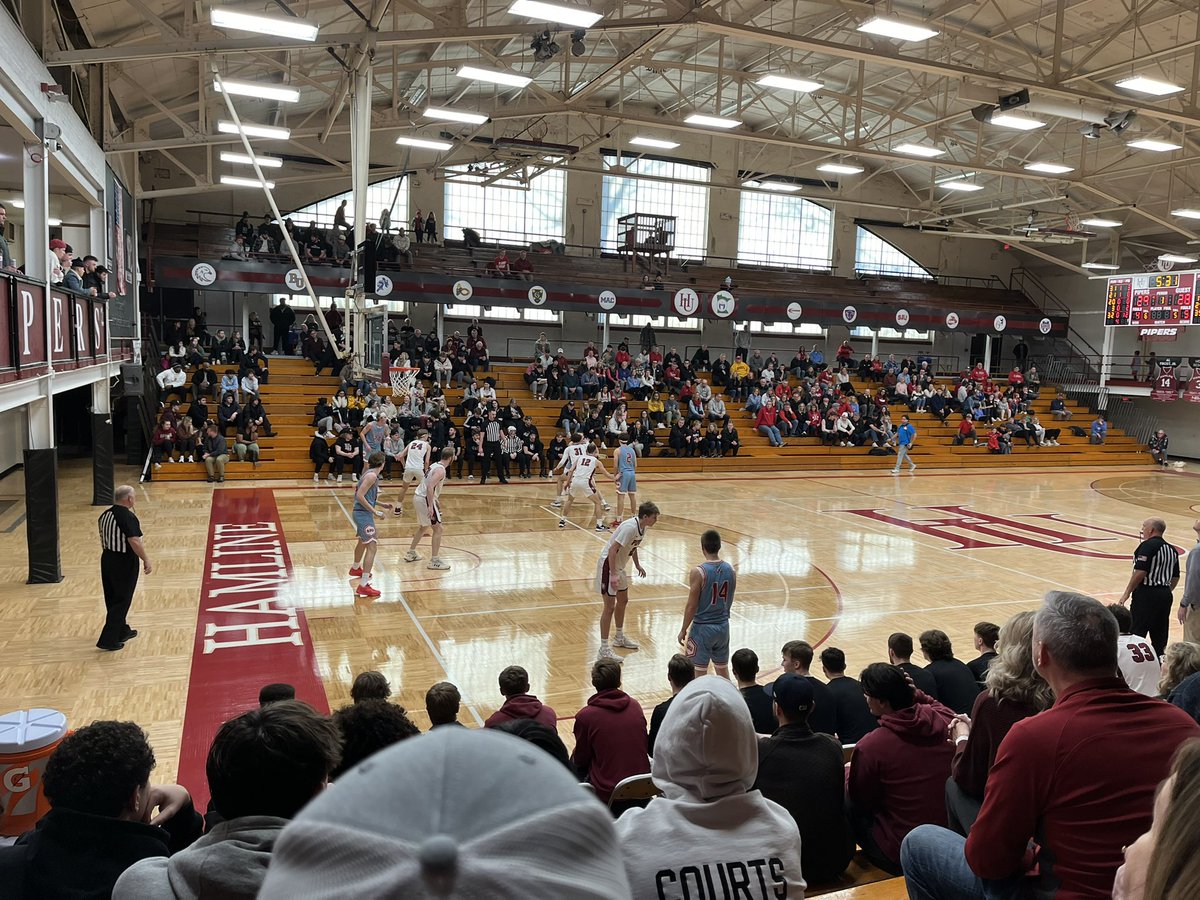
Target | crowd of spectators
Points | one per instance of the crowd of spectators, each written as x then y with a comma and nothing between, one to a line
1037,790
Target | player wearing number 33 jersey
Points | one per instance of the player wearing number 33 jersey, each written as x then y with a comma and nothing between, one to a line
705,631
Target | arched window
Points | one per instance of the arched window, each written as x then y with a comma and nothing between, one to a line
511,211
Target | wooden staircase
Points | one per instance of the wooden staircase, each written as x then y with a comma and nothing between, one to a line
293,391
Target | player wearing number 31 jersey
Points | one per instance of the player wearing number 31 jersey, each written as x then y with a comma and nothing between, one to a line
705,631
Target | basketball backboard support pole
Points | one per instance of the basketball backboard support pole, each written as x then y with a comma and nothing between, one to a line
360,149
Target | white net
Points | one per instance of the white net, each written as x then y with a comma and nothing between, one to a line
403,381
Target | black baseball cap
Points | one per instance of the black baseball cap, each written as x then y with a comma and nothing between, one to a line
793,693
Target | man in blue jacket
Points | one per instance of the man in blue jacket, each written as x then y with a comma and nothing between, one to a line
904,441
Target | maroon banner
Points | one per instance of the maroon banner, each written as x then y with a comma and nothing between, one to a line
7,335
29,324
1166,387
61,310
1192,392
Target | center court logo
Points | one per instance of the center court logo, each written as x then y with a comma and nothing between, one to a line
971,530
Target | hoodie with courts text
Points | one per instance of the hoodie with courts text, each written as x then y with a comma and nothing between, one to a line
709,834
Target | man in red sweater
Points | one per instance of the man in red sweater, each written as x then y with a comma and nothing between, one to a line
898,771
1070,786
610,732
519,703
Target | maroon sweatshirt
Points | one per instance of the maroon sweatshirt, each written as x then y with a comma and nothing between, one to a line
898,771
991,720
610,740
523,706
1079,781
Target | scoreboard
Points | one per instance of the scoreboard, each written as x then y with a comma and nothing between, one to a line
1155,298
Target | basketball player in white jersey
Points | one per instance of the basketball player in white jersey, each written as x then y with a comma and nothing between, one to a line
612,580
416,464
574,450
625,459
429,514
583,486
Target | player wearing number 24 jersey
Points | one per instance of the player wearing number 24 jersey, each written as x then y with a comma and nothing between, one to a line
705,631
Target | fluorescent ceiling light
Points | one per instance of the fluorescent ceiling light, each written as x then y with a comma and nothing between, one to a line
1186,213
967,186
1106,267
265,162
1152,86
711,121
297,29
1151,144
1021,123
235,181
262,131
454,115
783,187
783,82
495,77
1049,168
918,150
54,223
841,168
553,12
1101,223
657,143
423,143
893,28
258,91
1176,258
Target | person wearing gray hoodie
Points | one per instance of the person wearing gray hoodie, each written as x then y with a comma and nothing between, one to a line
709,834
263,767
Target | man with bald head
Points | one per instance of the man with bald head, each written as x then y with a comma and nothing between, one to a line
121,540
1155,574
1189,604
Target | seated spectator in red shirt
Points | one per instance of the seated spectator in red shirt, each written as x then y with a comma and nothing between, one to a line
518,702
610,732
1015,377
522,266
979,374
500,267
966,432
1070,786
898,771
1014,692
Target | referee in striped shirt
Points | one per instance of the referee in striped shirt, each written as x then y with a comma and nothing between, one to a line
492,454
121,543
1155,574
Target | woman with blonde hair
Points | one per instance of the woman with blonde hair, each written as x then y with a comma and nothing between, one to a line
1014,691
1181,660
1164,863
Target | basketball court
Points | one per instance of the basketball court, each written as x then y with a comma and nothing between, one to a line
250,585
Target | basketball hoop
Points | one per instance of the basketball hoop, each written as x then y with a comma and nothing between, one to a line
404,379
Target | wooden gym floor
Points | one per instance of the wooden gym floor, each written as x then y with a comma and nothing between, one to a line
834,558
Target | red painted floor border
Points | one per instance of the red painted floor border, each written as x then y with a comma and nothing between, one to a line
248,631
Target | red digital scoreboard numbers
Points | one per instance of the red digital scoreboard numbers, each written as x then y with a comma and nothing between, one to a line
1157,298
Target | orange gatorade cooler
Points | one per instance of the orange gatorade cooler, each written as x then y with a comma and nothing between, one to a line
27,738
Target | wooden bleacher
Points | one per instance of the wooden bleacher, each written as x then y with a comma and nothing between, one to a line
292,393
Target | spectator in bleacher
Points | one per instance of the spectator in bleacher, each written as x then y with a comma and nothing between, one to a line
6,259
1058,407
255,412
237,249
204,381
501,265
900,651
1014,691
1180,661
283,317
194,352
347,452
730,441
957,687
246,446
765,423
985,636
518,702
163,442
1099,429
709,817
229,414
367,727
610,732
797,657
744,663
720,372
854,718
522,266
214,451
73,278
1158,447
172,381
58,261
262,768
897,770
430,229
101,818
1078,778
804,773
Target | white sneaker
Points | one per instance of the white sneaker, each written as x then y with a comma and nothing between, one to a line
339,479
438,563
606,653
412,556
624,642
329,477
191,458
557,503
353,478
158,465
316,478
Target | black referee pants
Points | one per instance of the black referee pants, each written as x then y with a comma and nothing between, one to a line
493,457
119,576
1151,611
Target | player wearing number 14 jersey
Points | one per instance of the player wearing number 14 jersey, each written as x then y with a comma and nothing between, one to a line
705,631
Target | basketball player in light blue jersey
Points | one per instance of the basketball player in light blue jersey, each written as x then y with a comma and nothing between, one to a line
705,631
367,509
626,465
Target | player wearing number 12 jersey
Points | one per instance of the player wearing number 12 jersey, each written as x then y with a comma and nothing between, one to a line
705,631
